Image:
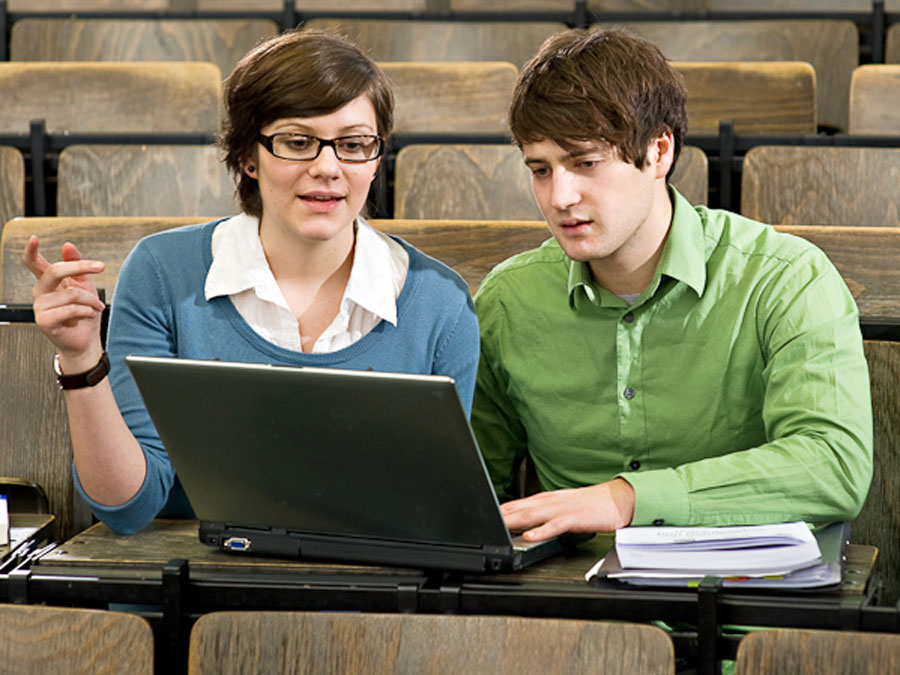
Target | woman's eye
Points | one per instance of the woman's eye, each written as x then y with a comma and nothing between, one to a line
300,143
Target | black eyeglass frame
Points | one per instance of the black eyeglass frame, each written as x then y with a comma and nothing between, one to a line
268,143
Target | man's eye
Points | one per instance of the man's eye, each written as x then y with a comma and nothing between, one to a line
539,172
588,163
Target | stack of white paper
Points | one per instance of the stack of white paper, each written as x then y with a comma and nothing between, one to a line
4,522
754,555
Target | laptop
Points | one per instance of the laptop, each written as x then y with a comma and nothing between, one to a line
330,464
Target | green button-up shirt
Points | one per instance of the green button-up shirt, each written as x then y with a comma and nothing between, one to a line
734,390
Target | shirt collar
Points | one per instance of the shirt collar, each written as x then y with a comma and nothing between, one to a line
373,278
683,258
239,264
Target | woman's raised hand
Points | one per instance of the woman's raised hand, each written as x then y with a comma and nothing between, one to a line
66,304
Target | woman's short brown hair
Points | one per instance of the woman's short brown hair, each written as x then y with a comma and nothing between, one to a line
599,85
300,73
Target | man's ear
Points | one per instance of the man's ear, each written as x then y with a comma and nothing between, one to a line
662,153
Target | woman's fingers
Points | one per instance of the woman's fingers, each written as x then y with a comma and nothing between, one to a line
49,276
68,295
32,257
76,270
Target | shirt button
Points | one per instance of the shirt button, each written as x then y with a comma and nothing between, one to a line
658,522
635,465
629,393
629,317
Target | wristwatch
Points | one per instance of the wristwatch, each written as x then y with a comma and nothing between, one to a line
86,379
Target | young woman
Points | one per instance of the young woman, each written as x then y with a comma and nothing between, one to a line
297,278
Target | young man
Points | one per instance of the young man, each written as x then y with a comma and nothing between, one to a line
659,363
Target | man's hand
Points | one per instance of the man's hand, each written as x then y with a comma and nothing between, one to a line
605,507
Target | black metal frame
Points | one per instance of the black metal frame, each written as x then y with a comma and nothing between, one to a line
181,597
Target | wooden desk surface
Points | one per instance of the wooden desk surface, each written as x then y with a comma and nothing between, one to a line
98,551
24,527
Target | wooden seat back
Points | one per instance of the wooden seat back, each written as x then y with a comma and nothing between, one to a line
691,175
763,97
817,652
878,524
12,184
472,248
463,182
102,98
107,239
34,437
324,642
422,40
892,43
144,180
220,41
875,100
458,97
38,639
822,185
831,46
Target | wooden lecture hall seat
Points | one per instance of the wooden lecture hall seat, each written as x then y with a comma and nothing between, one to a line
511,6
407,40
12,184
469,182
39,639
867,258
220,41
144,180
822,185
892,44
102,98
34,435
818,652
762,97
472,248
875,100
831,46
109,239
452,97
329,642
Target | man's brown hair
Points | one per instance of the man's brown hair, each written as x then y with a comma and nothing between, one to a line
300,73
603,84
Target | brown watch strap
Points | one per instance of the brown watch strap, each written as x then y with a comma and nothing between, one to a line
86,379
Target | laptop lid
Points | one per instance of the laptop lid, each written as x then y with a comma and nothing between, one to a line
328,453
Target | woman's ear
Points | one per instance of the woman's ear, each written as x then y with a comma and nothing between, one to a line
250,165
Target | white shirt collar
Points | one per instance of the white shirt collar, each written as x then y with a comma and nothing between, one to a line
240,268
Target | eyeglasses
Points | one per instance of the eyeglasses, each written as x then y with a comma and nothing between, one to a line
299,148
